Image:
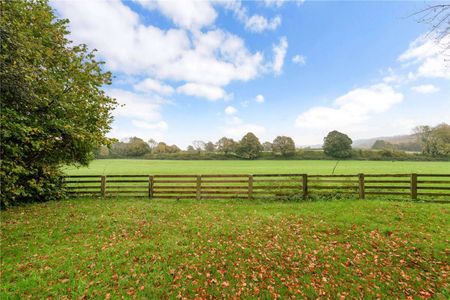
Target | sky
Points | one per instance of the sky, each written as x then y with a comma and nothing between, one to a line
200,70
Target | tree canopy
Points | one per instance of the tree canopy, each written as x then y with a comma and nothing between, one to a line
54,110
283,145
337,144
249,146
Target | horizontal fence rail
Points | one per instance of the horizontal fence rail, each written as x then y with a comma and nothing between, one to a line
261,186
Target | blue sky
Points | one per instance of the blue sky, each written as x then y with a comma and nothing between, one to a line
200,70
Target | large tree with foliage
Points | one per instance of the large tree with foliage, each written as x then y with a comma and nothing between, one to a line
226,145
283,145
249,147
337,144
435,141
53,109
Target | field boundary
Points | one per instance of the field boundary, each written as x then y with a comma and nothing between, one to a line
261,186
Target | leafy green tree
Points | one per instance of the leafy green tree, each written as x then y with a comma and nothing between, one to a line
435,141
136,147
210,147
283,145
337,144
382,144
53,109
226,145
267,146
249,147
152,144
190,148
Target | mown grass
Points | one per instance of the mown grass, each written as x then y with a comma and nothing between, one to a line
166,249
139,166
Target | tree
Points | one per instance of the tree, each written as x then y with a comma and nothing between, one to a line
382,144
435,141
136,147
210,147
337,144
249,146
267,146
437,16
161,148
190,148
53,109
283,145
152,144
199,145
226,145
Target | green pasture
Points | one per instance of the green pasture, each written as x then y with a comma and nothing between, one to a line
150,249
138,167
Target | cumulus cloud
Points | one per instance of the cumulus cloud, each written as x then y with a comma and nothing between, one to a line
259,98
279,55
257,23
279,3
429,57
161,125
209,92
151,85
230,110
214,57
190,14
137,106
351,109
425,89
299,59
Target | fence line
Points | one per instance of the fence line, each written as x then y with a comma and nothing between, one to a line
259,186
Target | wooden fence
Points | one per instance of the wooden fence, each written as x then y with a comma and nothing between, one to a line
260,186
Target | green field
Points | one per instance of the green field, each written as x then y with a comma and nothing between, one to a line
137,167
108,249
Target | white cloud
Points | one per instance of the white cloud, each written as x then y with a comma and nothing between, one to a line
190,14
425,89
161,125
429,57
279,54
257,23
352,109
209,92
279,3
214,57
259,98
230,110
299,59
133,105
151,85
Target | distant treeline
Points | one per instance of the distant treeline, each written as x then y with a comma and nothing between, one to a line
433,143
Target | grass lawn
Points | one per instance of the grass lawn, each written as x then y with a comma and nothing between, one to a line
167,249
137,167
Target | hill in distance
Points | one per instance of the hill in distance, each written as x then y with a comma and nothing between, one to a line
396,140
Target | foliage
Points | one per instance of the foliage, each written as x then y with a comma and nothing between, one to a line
210,147
337,144
267,146
226,145
133,147
249,147
283,145
435,140
134,248
54,110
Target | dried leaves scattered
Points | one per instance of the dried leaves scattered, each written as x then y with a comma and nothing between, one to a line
189,250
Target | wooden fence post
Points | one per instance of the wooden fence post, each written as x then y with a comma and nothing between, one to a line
150,186
362,193
305,186
103,186
199,186
250,187
414,186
